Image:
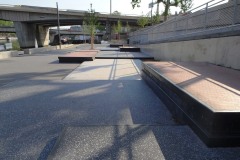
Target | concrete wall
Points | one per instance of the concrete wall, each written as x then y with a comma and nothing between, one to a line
224,51
8,54
45,49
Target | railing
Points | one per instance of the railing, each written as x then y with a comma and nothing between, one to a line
214,15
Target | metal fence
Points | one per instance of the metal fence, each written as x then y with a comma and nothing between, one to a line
214,15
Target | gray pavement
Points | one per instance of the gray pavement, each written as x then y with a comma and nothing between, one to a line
136,142
107,69
111,54
36,104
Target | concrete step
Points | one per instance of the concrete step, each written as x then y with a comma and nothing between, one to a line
202,95
115,45
123,55
78,56
129,49
108,49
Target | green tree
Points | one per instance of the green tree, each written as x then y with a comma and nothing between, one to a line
156,19
167,4
6,23
128,27
143,21
116,13
85,30
136,3
117,28
185,5
91,21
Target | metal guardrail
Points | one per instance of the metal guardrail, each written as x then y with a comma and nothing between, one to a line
210,16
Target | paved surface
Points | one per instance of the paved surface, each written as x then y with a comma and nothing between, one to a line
80,53
107,142
136,142
122,55
215,86
107,69
36,104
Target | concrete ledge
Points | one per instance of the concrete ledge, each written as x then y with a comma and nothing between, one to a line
8,54
78,56
45,49
129,49
116,45
216,126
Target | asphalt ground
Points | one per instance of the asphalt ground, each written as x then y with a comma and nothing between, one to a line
37,103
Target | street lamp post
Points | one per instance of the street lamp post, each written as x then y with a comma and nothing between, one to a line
110,6
59,36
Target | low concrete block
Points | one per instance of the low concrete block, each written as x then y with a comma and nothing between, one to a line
116,45
129,49
195,102
45,49
8,54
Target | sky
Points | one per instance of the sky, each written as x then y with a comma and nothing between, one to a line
123,6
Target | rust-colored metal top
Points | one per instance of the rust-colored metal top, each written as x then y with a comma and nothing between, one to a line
215,86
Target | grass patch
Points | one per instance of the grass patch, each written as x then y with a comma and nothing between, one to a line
16,45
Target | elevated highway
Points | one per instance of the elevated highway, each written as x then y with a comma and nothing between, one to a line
32,23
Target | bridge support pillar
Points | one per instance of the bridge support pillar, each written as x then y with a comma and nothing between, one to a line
31,35
42,36
26,34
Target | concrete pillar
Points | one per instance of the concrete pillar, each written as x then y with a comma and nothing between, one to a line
42,36
26,34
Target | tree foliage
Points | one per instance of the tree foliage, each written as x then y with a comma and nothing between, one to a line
167,4
91,21
128,27
116,13
143,21
185,5
156,18
85,29
136,3
117,28
6,23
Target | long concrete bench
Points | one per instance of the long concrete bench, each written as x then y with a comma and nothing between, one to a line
115,45
78,56
8,54
45,49
202,95
129,49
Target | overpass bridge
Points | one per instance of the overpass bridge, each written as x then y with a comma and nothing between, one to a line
32,23
4,29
